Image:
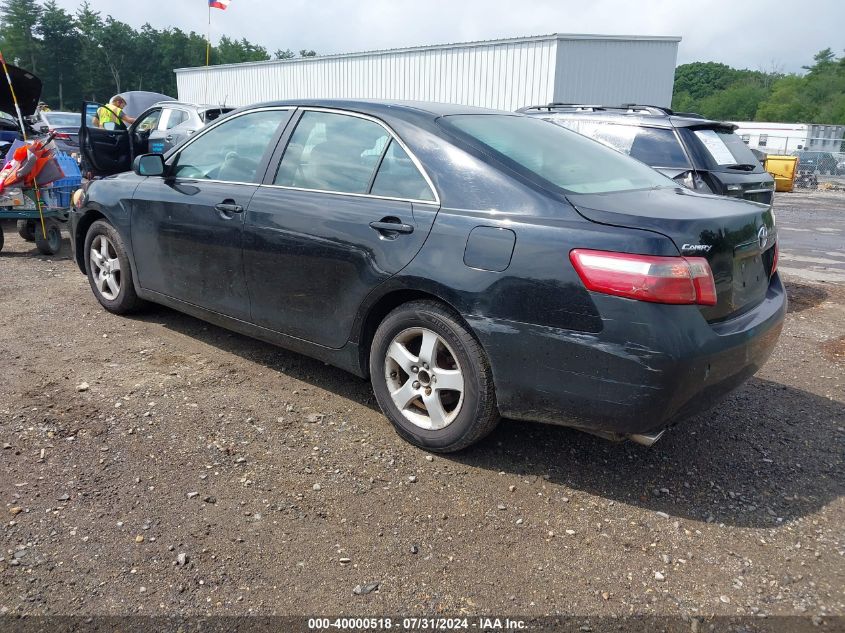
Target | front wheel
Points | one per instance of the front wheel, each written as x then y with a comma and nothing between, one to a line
432,379
108,269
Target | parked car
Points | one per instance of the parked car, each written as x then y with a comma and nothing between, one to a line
158,129
840,167
698,153
472,263
64,126
817,162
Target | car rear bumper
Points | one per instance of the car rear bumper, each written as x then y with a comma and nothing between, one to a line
650,366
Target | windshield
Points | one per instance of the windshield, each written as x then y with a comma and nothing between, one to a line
62,119
565,159
722,149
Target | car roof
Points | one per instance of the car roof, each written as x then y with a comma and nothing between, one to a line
377,107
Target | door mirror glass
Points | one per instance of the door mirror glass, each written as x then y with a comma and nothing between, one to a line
149,165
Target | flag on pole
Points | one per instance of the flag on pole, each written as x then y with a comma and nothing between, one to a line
218,4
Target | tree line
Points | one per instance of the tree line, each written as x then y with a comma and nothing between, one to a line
84,55
718,91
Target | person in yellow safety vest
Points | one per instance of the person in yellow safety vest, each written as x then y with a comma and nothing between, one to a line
111,114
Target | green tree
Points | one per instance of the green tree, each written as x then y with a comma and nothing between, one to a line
702,79
18,19
59,40
737,102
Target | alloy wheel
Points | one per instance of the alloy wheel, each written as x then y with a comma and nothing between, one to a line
424,378
105,267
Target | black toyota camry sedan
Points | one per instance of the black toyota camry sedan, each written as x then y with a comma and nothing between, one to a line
472,263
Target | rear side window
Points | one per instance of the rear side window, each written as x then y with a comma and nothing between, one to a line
658,147
559,156
175,118
398,177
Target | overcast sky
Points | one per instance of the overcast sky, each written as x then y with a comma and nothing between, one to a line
756,34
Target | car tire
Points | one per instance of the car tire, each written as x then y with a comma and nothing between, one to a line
108,269
26,229
414,345
52,242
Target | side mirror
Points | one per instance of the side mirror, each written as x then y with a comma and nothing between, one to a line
44,129
149,165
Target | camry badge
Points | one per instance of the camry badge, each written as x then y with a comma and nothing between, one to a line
763,237
696,248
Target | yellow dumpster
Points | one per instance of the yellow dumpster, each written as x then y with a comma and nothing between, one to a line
783,169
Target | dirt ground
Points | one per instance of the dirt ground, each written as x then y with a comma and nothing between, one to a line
159,465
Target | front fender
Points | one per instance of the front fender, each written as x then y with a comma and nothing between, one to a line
108,199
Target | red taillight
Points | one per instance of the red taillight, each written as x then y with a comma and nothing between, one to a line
61,136
775,260
677,280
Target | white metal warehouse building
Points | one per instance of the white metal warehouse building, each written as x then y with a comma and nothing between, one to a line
505,74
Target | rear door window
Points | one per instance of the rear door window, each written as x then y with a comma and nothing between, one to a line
332,152
657,147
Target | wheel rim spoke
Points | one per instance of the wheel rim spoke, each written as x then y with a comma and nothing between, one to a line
403,396
114,264
113,285
428,348
96,258
402,356
436,413
449,379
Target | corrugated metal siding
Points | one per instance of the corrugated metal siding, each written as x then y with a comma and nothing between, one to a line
612,72
504,74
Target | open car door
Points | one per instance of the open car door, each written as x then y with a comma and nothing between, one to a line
104,151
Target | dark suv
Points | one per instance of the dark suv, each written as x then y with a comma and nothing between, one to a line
821,162
698,153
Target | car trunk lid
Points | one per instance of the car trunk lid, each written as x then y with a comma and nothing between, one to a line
27,90
736,237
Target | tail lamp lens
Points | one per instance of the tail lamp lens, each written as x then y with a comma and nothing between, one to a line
675,280
775,259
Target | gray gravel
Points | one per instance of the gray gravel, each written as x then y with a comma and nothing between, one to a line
199,493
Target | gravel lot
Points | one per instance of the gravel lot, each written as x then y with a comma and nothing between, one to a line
159,465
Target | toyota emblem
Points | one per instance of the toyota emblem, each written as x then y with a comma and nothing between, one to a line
763,237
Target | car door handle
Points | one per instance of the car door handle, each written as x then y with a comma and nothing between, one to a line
228,206
391,226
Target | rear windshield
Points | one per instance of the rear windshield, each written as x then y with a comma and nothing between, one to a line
63,119
559,156
210,115
721,149
657,147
